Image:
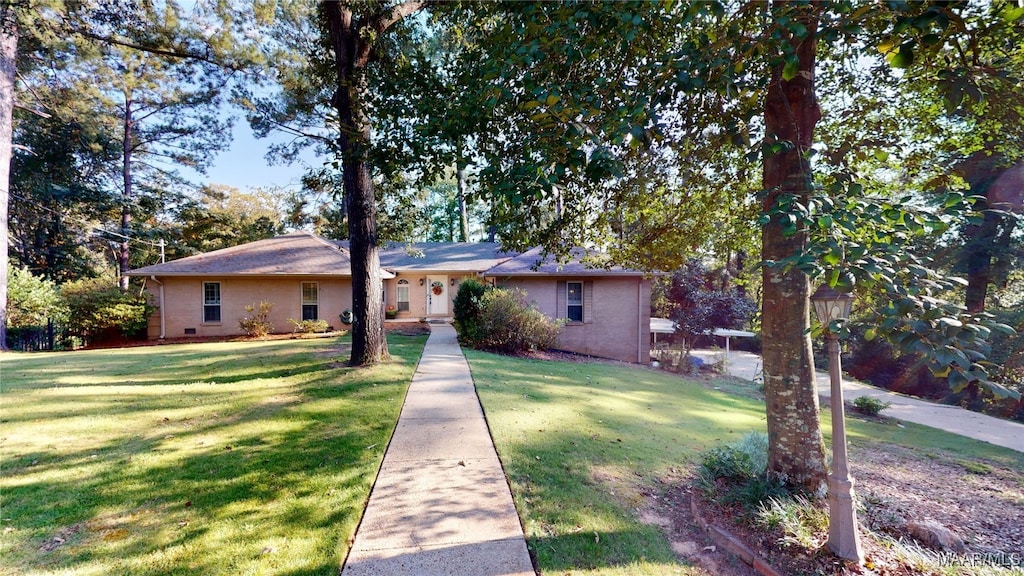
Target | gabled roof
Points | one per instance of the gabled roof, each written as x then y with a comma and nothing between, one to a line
441,256
297,253
305,254
534,262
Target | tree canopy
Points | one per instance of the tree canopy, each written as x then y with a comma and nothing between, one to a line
873,147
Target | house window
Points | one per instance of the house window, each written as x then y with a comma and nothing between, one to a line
310,301
403,295
574,301
211,302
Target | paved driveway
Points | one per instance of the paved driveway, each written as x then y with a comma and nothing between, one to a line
950,418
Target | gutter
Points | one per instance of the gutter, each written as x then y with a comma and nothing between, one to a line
640,321
162,308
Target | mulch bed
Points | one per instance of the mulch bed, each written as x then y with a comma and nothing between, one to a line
983,507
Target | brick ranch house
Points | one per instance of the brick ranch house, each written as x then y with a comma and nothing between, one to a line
305,277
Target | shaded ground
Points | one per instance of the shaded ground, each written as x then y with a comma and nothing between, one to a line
403,328
982,504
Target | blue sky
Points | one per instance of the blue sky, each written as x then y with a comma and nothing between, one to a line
244,165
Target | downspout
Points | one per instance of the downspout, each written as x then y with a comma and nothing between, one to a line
162,308
639,320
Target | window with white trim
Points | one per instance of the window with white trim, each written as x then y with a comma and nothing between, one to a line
310,301
211,302
574,301
402,296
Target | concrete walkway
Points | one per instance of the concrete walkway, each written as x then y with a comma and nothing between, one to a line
950,418
441,505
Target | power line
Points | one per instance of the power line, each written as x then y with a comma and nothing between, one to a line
89,225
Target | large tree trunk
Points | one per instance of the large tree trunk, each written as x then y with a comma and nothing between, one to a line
977,257
124,250
983,241
460,178
351,56
8,53
795,452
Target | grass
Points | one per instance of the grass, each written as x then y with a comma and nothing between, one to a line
583,443
226,458
580,444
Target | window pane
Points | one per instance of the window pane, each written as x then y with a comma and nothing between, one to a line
211,302
211,313
309,293
574,301
211,292
402,295
309,311
575,293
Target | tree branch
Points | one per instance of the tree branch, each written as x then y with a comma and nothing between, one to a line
39,113
161,51
385,20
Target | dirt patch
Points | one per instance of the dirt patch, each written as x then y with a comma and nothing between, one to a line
981,503
407,328
669,509
61,537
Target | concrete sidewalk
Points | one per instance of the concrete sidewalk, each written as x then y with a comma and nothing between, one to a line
949,418
441,505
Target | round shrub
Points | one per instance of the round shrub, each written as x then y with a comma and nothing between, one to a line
466,309
256,323
507,323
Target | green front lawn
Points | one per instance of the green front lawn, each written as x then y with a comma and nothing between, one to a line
582,443
227,458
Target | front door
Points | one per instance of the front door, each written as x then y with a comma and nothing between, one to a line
437,295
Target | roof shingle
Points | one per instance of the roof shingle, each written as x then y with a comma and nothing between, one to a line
297,253
534,262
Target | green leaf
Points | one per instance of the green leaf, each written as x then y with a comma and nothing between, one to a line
1011,13
792,68
904,58
870,334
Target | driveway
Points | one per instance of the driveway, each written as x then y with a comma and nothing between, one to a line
949,418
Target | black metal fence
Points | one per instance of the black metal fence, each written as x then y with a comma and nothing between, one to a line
36,338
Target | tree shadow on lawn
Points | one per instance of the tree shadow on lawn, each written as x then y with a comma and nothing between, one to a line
255,487
591,550
156,366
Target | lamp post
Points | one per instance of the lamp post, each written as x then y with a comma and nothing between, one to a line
843,536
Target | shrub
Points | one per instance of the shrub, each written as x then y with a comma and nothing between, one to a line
870,405
802,521
510,325
257,324
32,301
466,309
98,311
309,326
737,473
